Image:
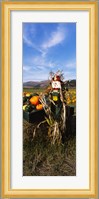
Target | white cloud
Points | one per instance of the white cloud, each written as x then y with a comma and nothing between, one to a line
38,69
42,63
26,68
57,37
31,44
27,41
29,30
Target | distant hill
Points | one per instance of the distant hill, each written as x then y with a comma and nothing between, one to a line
45,83
33,84
70,83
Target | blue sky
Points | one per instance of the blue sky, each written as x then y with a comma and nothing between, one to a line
48,47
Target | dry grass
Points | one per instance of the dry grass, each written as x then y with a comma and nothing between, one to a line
41,158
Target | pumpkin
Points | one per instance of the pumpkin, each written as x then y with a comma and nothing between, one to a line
28,95
34,100
24,107
39,107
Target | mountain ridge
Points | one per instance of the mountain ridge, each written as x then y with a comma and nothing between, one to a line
45,83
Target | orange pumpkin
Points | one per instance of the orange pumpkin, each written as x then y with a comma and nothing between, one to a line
34,100
39,107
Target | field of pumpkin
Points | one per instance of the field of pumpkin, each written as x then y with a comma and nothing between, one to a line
70,96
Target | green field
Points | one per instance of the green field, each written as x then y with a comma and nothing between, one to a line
38,90
33,90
